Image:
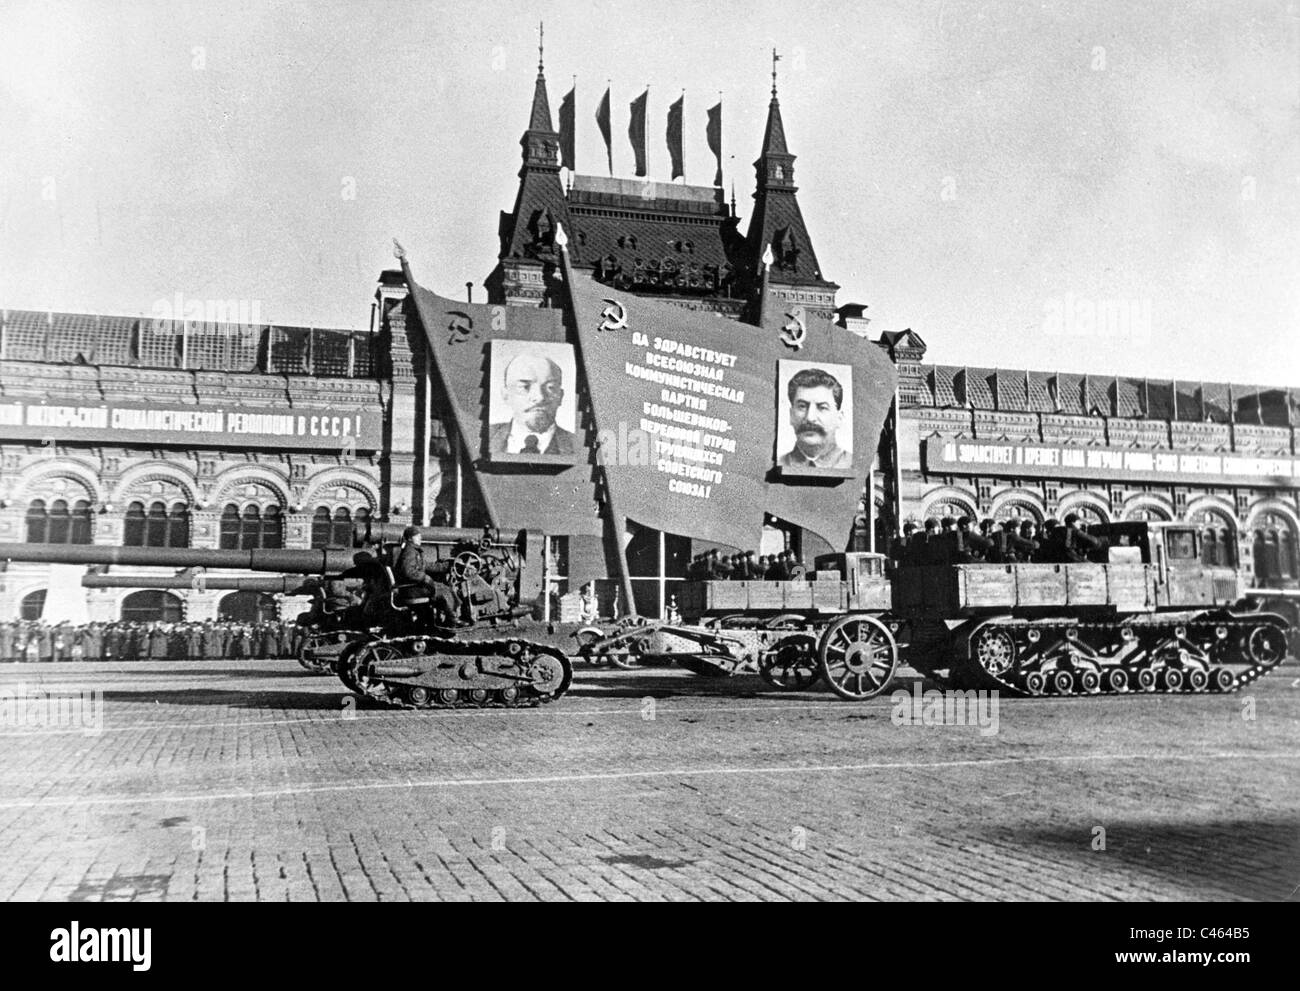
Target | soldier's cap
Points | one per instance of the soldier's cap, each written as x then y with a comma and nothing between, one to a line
1071,518
986,522
749,553
1051,521
410,532
931,523
909,527
964,521
947,521
1014,524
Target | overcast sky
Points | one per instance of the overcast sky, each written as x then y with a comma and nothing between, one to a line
989,174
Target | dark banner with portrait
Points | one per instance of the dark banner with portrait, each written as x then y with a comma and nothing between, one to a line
510,374
706,424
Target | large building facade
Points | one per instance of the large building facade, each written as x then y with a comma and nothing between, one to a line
213,432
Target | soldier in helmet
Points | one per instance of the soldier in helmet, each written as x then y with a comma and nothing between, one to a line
970,547
411,569
1012,546
1077,542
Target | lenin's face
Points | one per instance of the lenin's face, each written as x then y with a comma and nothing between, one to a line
534,390
815,419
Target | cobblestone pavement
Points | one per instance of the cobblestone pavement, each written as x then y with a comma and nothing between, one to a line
254,780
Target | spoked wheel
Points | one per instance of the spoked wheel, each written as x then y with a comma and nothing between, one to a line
857,656
1266,645
361,661
791,663
994,650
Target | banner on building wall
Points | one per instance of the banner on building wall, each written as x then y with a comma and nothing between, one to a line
153,423
1029,460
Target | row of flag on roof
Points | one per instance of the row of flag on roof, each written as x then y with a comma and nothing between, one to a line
675,135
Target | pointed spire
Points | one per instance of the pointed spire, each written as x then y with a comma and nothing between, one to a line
541,116
774,135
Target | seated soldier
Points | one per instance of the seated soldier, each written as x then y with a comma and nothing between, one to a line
924,544
970,547
410,569
1078,544
1013,546
1050,547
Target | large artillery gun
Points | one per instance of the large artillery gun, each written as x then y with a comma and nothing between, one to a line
468,634
295,572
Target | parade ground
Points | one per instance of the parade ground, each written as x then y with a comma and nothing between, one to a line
254,780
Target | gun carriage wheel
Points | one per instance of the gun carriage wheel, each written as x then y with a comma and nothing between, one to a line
791,663
858,657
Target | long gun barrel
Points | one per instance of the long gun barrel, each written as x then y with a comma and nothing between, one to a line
290,562
284,584
1273,593
375,532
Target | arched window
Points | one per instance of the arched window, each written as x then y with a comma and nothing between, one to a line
335,529
248,607
230,528
252,527
32,606
133,528
1218,539
178,526
37,522
59,523
152,606
1274,542
59,528
158,527
272,528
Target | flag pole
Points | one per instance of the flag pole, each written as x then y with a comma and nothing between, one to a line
461,427
617,521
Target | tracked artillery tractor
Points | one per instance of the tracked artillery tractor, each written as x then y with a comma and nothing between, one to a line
1145,616
467,636
832,624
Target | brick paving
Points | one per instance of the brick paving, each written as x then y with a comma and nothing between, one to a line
254,780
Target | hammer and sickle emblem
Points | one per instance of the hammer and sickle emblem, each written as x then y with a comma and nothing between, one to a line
461,327
794,332
614,316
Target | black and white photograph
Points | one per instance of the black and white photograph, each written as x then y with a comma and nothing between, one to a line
530,411
546,451
814,427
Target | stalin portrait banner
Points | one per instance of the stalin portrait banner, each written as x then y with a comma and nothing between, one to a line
694,414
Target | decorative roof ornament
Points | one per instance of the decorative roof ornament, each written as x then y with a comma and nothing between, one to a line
541,42
398,251
768,257
561,238
775,59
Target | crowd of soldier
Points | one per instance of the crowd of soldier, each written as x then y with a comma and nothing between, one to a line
958,541
716,566
125,641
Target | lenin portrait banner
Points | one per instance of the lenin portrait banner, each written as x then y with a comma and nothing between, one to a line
532,406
